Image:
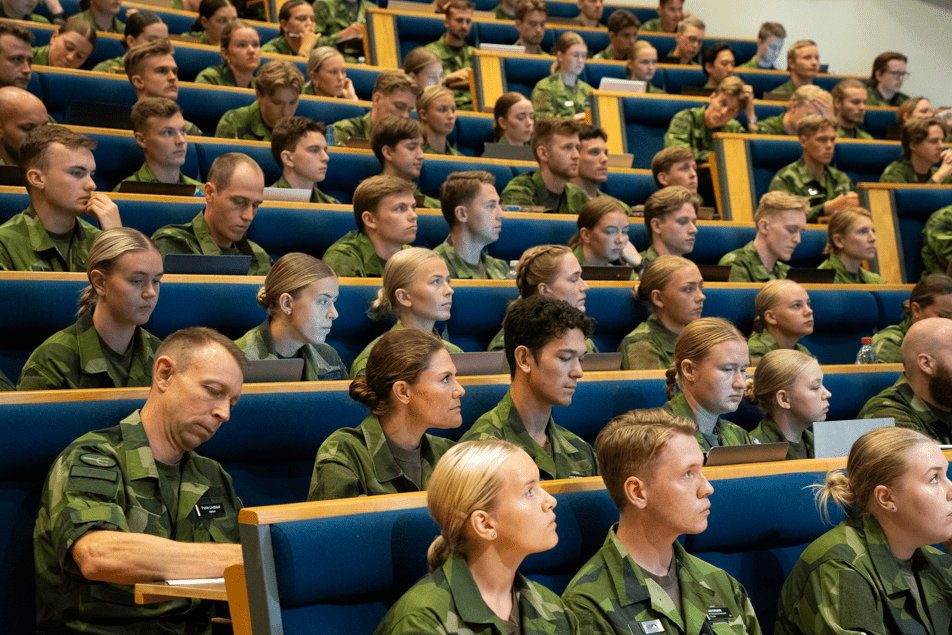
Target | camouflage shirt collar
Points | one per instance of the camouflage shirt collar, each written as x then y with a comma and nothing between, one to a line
40,239
207,243
140,463
385,466
468,600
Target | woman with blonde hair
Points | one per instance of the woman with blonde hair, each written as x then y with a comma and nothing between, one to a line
107,346
299,294
410,386
851,239
563,94
673,289
416,290
931,297
552,271
492,513
643,64
436,109
69,45
875,572
788,389
327,75
241,53
514,120
424,66
602,237
709,373
784,315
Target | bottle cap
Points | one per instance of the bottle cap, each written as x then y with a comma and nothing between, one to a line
867,340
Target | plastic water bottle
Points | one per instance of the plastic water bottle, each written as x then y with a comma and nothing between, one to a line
512,270
866,354
329,135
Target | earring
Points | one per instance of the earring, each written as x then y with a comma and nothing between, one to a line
494,534
288,311
893,508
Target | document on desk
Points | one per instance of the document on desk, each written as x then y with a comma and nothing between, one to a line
195,581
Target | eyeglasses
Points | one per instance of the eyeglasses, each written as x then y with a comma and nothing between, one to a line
899,74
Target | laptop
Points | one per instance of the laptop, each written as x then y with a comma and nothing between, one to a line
601,361
754,453
507,152
835,438
696,91
592,272
808,275
502,48
287,194
262,371
160,189
619,85
714,273
480,363
207,265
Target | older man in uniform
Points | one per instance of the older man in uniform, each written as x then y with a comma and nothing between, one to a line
135,503
937,242
278,91
395,94
20,112
471,209
455,53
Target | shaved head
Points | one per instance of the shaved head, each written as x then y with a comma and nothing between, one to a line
20,112
927,361
928,336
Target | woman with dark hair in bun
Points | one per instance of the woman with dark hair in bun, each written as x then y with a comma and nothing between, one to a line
410,386
299,294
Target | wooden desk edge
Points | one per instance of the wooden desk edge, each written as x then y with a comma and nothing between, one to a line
152,592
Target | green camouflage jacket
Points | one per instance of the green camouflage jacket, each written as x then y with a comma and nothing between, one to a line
752,63
727,433
552,98
571,456
243,123
652,25
219,76
795,179
455,59
528,188
116,66
117,26
317,196
357,461
887,344
787,88
333,16
902,404
936,241
771,125
611,595
687,129
73,358
145,175
489,268
321,362
194,238
746,266
277,45
354,127
108,480
852,133
649,347
873,98
451,150
648,255
41,54
501,14
848,581
607,54
448,602
767,431
359,367
761,342
353,256
903,172
845,277
25,245
5,384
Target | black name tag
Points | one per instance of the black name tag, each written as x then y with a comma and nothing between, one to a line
718,614
210,509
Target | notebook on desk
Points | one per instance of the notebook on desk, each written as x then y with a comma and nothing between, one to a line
207,265
835,438
755,453
262,371
479,363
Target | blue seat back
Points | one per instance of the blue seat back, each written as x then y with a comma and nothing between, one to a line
840,320
890,308
521,75
414,31
913,208
865,162
118,157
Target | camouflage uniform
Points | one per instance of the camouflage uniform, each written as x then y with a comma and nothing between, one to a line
201,36
571,456
194,238
426,202
501,14
887,344
359,368
852,133
529,189
219,76
333,16
109,480
936,241
726,433
607,54
552,98
687,129
767,431
115,66
358,127
5,384
356,462
243,123
354,256
25,245
746,266
448,602
277,45
451,150
612,595
145,175
795,179
903,172
873,98
489,268
761,342
771,125
787,88
752,63
30,17
41,55
455,59
649,347
321,362
116,27
74,358
317,196
653,25
843,276
902,404
648,254
848,581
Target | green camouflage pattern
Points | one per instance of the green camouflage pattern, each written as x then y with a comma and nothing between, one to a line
761,342
863,276
688,130
455,59
145,175
903,172
727,433
359,368
219,76
746,266
353,256
795,179
354,127
848,581
767,431
115,66
451,150
752,63
936,241
612,595
873,98
108,480
552,98
902,404
30,17
243,123
321,362
332,17
116,27
653,25
571,456
787,88
771,125
317,196
73,358
357,461
448,602
528,188
194,238
25,245
648,255
489,268
41,54
501,14
277,45
607,54
5,384
852,133
649,347
887,344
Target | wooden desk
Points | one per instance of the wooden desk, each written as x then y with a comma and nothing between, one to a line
151,592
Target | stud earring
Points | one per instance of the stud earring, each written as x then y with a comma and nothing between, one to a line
893,508
494,534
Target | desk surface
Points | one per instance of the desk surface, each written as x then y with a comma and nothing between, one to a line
151,592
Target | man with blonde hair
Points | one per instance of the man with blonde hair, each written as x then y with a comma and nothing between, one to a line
153,72
530,23
811,176
806,100
694,127
471,209
688,41
623,28
395,93
780,220
803,62
769,44
455,53
671,222
642,577
278,89
849,108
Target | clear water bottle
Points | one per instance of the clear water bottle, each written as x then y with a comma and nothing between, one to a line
866,354
512,270
329,135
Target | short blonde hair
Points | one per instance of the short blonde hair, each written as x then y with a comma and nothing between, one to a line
767,298
734,86
278,74
776,371
812,124
398,274
567,41
291,274
841,222
696,342
805,94
640,47
777,202
694,21
431,94
796,46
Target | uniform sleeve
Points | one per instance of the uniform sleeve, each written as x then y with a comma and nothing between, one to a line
748,615
679,132
779,183
332,480
877,408
359,367
642,356
739,272
420,622
168,241
482,429
208,76
836,600
344,265
516,192
226,126
49,368
887,350
891,175
542,101
588,611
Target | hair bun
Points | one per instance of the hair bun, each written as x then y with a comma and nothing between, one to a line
262,297
749,394
360,391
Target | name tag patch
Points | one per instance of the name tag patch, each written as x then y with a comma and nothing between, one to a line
718,614
812,191
651,626
569,102
210,509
